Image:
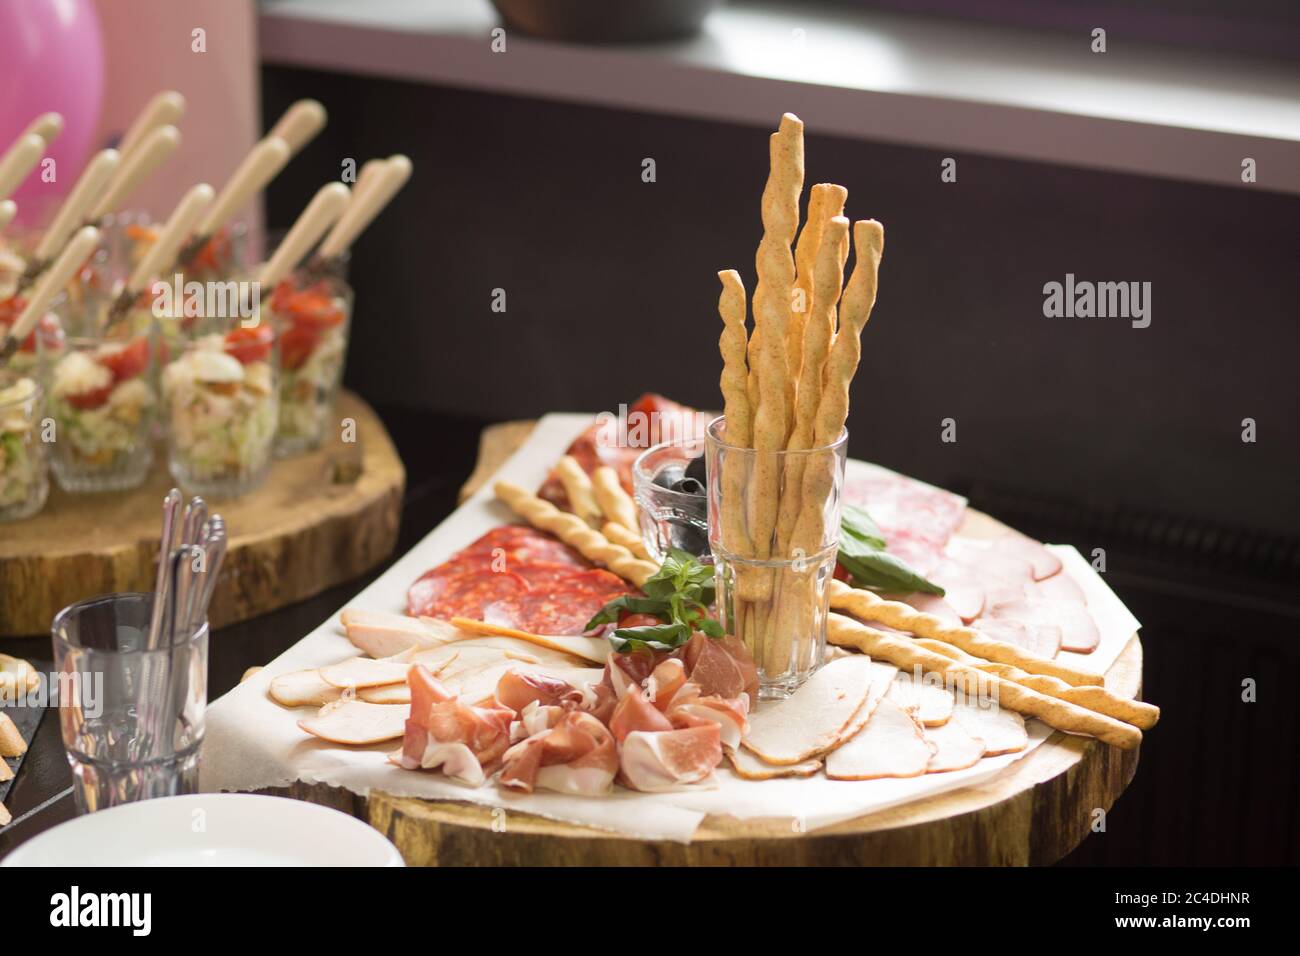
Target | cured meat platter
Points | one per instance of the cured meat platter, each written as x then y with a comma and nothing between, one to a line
1028,810
715,639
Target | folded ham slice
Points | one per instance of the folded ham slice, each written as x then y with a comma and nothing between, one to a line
655,762
637,713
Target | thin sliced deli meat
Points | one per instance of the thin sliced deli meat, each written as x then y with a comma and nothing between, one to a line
1044,563
1041,640
445,732
1078,630
915,519
954,748
302,689
1059,587
1002,730
357,672
385,634
891,745
751,767
989,558
937,606
931,704
882,677
357,723
812,718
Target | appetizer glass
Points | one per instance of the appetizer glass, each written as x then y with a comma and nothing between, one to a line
221,395
670,517
774,525
313,314
101,388
132,717
24,482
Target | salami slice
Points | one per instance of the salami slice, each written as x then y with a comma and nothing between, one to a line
464,595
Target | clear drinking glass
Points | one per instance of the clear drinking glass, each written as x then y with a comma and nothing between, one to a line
221,398
24,481
132,718
672,518
774,521
101,391
314,315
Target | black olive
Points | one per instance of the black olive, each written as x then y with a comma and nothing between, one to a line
668,476
689,486
697,470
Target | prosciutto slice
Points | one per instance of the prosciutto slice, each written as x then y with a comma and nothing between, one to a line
655,762
442,732
576,755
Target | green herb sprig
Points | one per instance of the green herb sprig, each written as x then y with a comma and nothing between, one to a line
863,555
680,594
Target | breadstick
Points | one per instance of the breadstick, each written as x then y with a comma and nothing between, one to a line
1138,713
871,607
775,266
828,278
1056,713
833,404
736,409
575,532
577,486
615,503
731,306
625,539
825,202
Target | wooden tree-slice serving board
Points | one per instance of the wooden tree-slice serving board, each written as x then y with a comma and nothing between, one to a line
1034,812
320,519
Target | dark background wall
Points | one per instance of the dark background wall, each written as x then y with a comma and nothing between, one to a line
611,291
1084,431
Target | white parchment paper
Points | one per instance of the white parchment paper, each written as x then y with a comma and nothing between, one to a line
252,742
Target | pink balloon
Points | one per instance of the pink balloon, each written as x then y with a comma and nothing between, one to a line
51,58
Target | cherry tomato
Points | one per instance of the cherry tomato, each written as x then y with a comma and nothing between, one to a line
47,326
296,345
251,344
92,399
127,362
313,306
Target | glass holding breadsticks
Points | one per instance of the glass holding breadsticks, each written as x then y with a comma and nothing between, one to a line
774,576
776,457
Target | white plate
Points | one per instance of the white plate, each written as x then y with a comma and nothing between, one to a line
217,829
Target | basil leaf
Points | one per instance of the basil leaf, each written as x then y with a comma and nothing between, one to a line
659,637
881,571
858,524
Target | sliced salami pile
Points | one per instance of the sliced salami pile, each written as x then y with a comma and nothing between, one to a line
517,577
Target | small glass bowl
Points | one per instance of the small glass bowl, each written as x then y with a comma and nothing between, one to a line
101,391
24,481
313,314
671,519
221,397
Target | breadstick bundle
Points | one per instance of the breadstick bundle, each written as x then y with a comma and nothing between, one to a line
785,388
